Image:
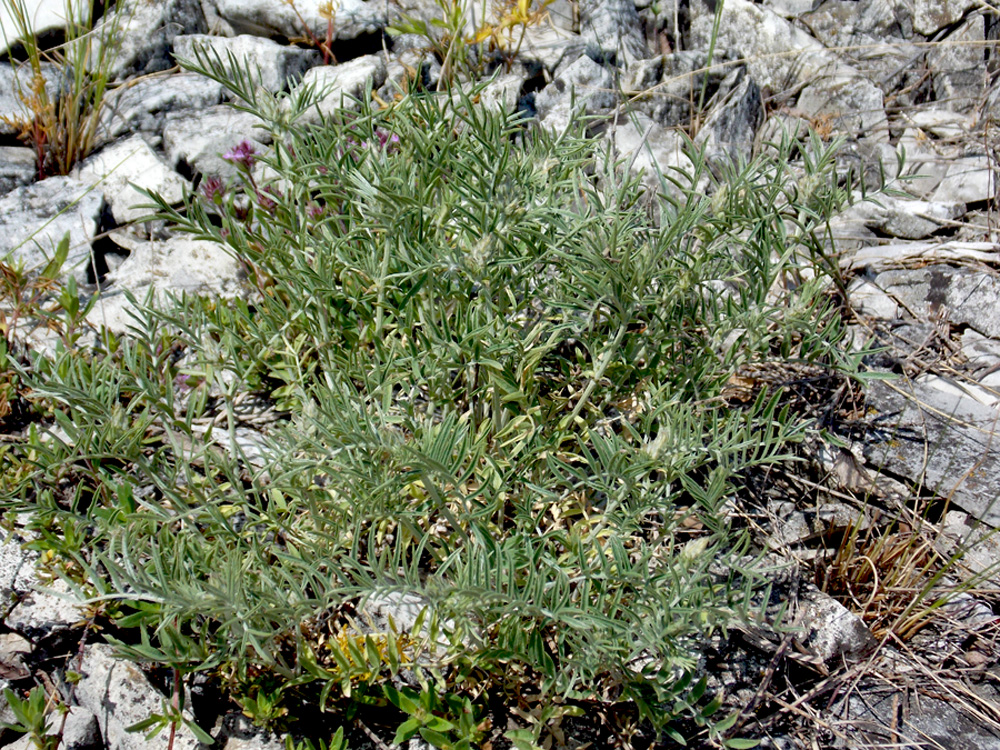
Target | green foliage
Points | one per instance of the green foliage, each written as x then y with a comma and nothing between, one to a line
337,742
447,722
34,301
499,373
31,717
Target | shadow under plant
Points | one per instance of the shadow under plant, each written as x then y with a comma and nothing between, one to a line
501,432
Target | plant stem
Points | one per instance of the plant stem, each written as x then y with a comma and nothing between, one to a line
602,367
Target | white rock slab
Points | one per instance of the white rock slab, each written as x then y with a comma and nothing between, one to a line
199,139
119,694
547,44
929,16
831,632
42,611
583,85
14,81
941,123
503,92
276,65
122,169
43,15
277,17
18,167
960,295
846,100
17,569
901,254
970,179
336,86
982,353
143,104
661,152
239,733
906,219
81,731
177,265
144,32
869,300
940,436
980,544
780,55
35,218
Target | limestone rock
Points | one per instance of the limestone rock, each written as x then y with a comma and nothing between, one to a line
970,179
979,542
899,255
239,734
15,83
176,265
830,631
612,28
981,352
18,167
668,87
195,142
957,65
842,99
832,88
143,105
337,85
758,34
278,65
960,295
907,219
582,86
124,167
548,45
42,611
941,123
503,92
120,695
930,16
82,731
17,570
869,300
940,438
731,125
42,16
270,18
791,8
145,32
871,715
660,152
13,650
35,218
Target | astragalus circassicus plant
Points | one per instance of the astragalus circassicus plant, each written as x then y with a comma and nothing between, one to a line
499,384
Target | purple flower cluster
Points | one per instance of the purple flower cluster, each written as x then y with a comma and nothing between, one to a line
387,142
242,155
264,199
213,190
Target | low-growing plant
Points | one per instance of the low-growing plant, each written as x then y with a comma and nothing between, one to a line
447,722
32,716
63,116
499,372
